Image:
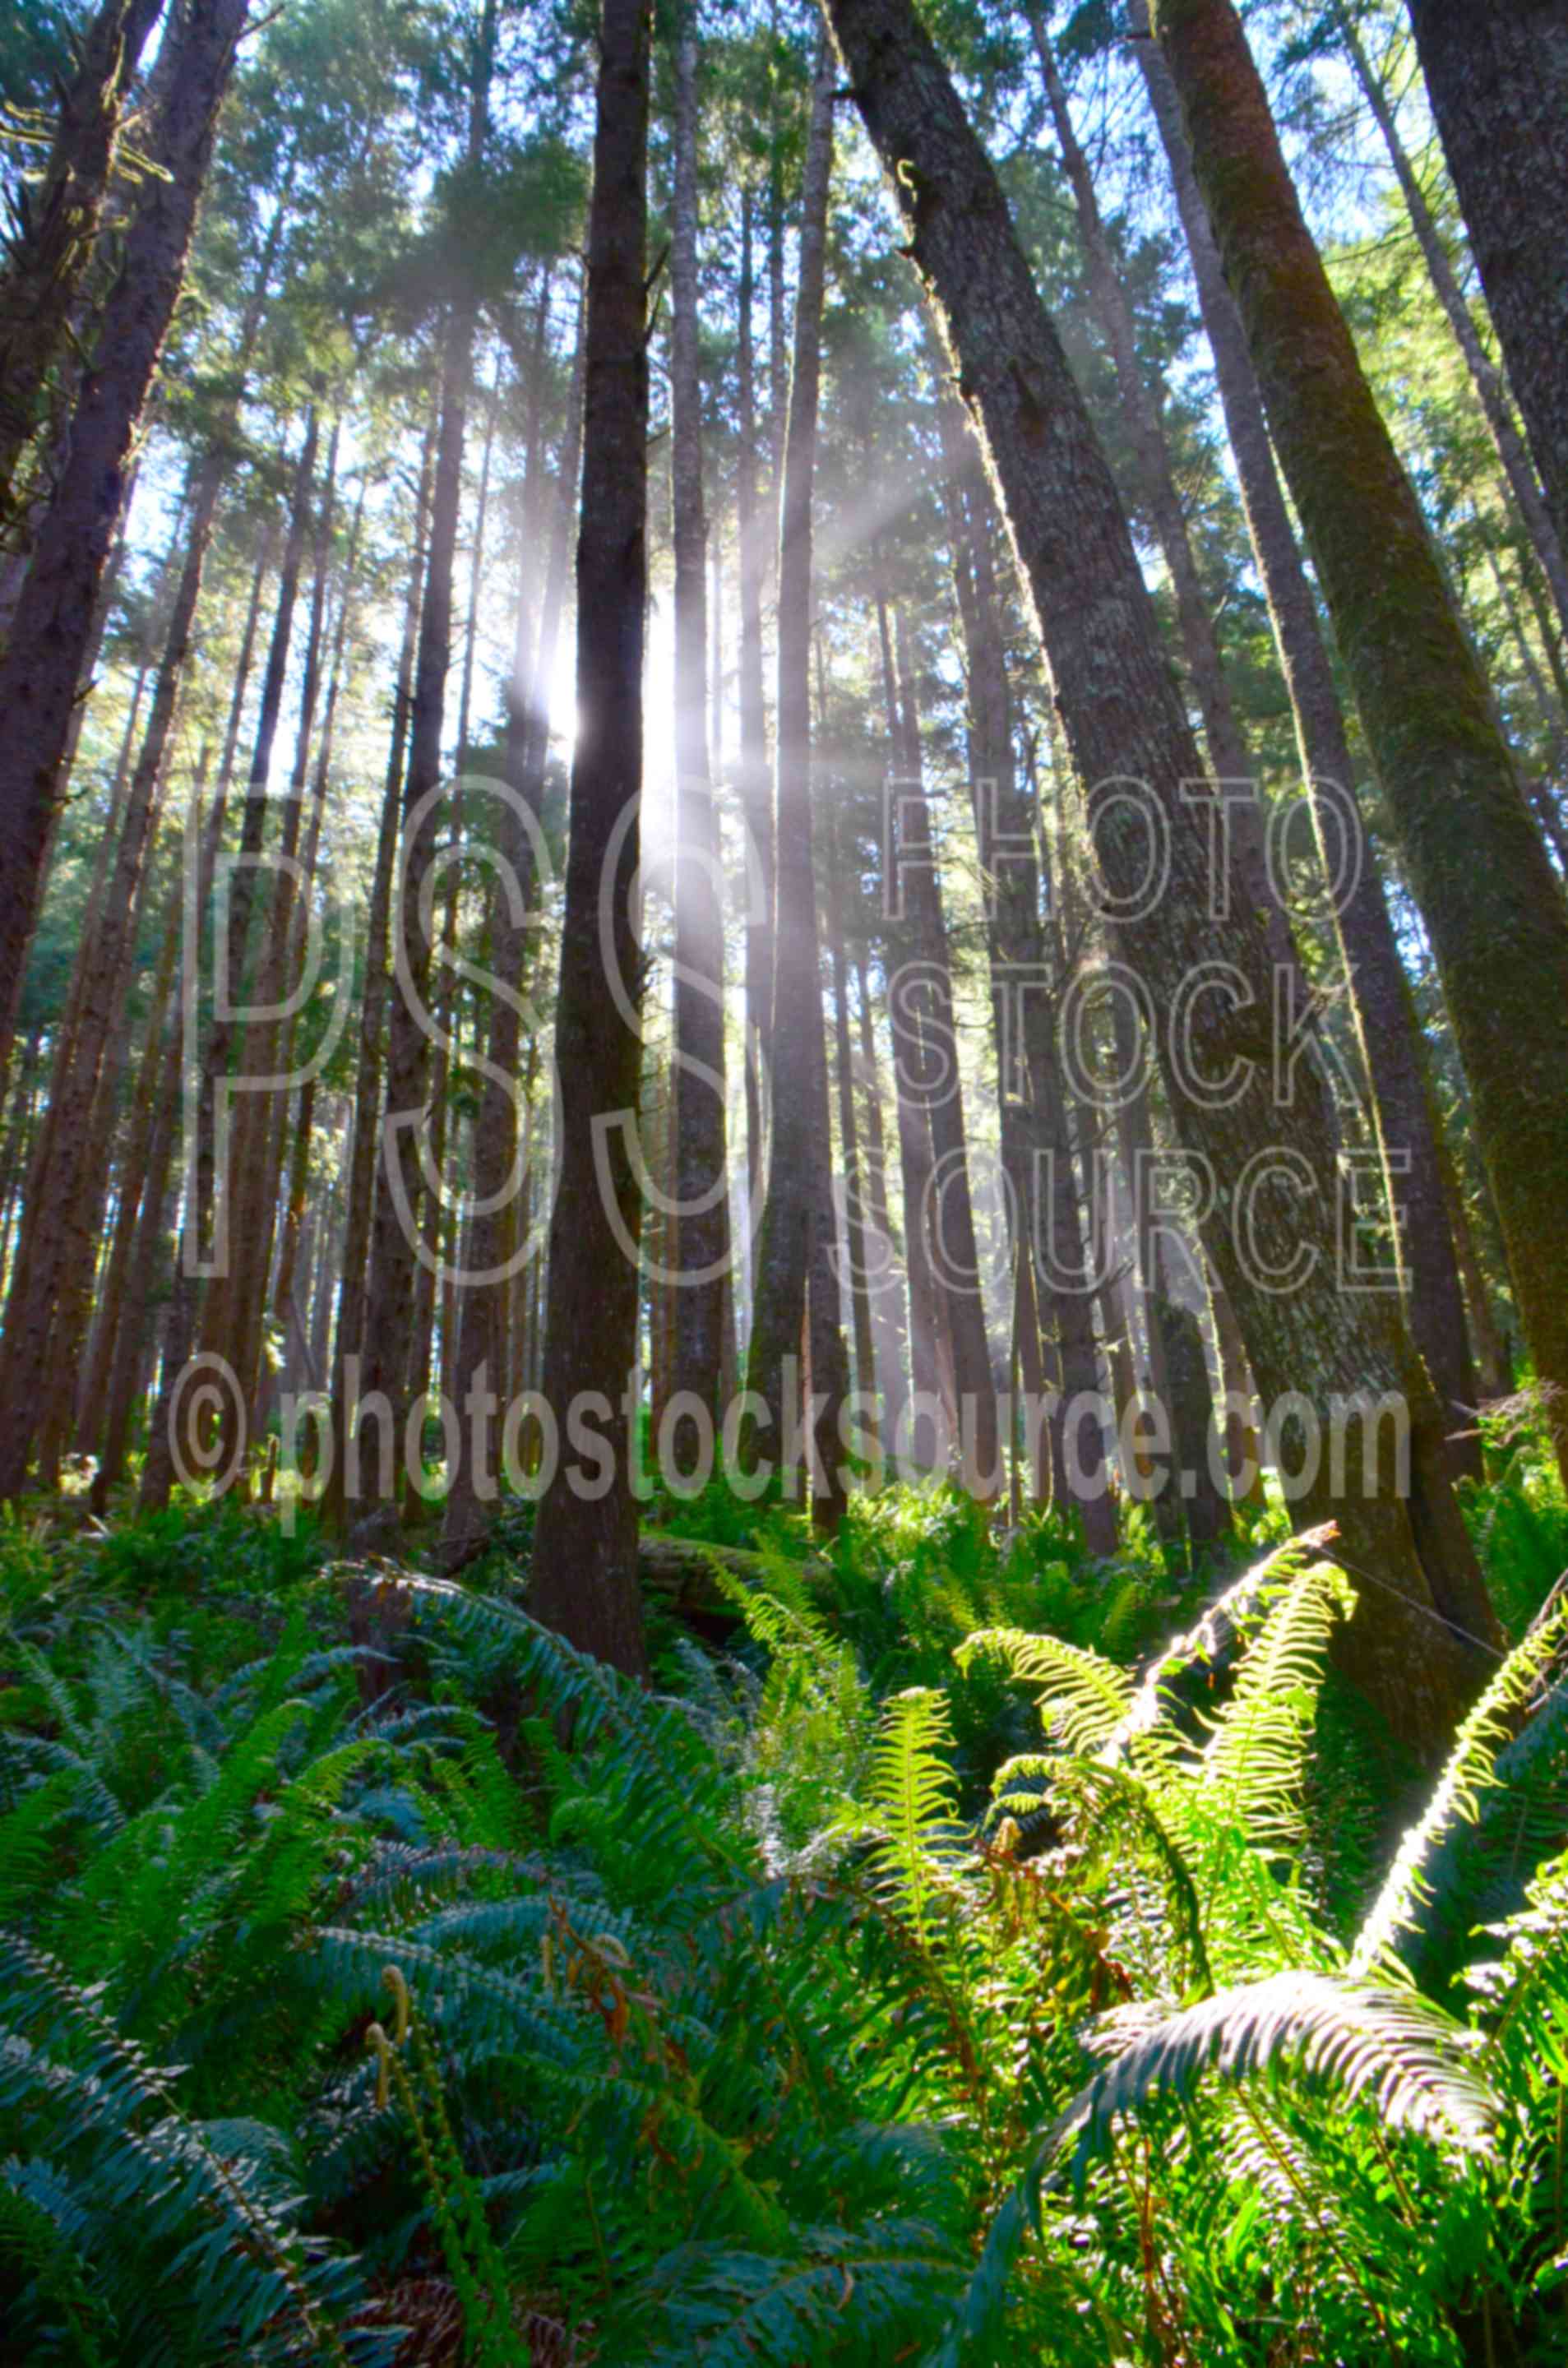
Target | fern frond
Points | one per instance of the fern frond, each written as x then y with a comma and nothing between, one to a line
1257,1755
1416,2066
1472,1767
912,1807
1082,1698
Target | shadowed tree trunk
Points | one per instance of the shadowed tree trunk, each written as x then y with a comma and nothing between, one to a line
1487,380
928,1051
349,1342
585,1561
1380,1000
892,1367
755,788
1230,759
855,1202
229,1255
702,1224
43,663
390,1292
57,224
1034,1101
799,1133
1124,722
483,1351
1477,867
197,1314
55,1290
1498,78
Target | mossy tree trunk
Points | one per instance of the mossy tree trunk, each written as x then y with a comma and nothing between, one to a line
1497,77
1384,1015
1423,1600
584,1562
799,1134
1475,860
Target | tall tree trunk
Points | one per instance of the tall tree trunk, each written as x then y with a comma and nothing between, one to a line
57,225
853,1197
1486,379
585,1565
755,788
702,1224
1124,722
932,1045
1475,860
257,1155
892,1366
43,663
227,1116
1498,78
799,1135
500,1252
68,1191
348,1345
196,1315
1230,759
1036,1099
390,1292
1380,1000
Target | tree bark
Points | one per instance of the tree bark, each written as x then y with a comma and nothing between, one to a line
57,228
1475,860
1230,759
799,1131
585,1563
1380,1000
931,1047
1486,379
1124,722
57,1281
43,661
755,788
349,1341
702,1224
1498,78
389,1296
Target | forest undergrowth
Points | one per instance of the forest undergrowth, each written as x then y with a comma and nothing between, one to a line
967,1951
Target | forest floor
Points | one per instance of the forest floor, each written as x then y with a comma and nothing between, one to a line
470,2003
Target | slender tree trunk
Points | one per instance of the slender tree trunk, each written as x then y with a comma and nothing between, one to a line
1036,1099
1486,379
225,1138
848,1136
208,1249
348,1346
43,663
701,1180
933,1079
258,1157
1380,1000
1475,860
889,1344
756,801
1230,759
1124,722
58,223
585,1564
391,1294
1498,78
499,1248
68,1191
799,1135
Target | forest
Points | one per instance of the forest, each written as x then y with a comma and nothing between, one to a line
784,1183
